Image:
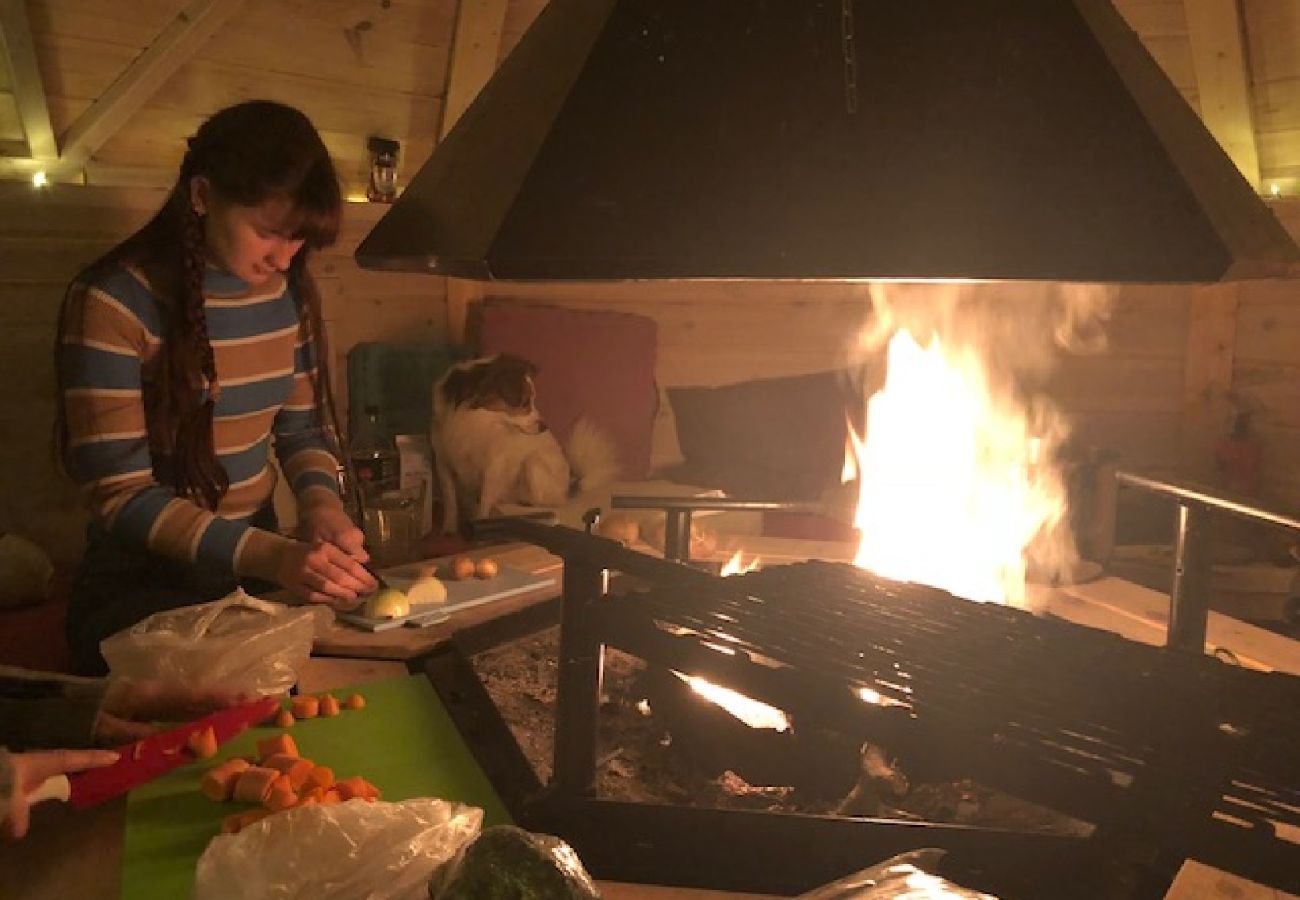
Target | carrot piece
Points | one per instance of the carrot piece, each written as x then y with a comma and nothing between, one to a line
329,705
218,783
298,772
282,762
254,783
280,743
284,719
202,744
331,796
280,797
356,701
237,822
356,786
305,707
319,777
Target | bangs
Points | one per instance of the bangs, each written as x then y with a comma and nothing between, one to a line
315,224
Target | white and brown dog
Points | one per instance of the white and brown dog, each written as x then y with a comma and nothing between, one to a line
491,447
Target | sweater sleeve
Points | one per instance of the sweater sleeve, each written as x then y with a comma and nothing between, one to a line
307,452
45,711
102,359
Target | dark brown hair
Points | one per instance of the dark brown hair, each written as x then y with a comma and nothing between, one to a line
250,154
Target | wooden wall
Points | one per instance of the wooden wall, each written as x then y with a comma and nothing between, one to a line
47,235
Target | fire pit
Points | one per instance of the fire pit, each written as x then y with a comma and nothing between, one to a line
1166,755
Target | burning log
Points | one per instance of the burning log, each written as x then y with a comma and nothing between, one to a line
880,781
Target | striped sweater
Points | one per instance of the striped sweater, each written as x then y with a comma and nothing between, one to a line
264,367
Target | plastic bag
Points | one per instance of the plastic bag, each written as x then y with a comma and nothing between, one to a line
907,876
358,850
237,643
509,862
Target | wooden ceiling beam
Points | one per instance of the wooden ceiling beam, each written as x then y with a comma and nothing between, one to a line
19,49
174,46
1218,40
475,45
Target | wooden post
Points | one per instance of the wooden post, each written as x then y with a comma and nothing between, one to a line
17,47
1207,381
1222,82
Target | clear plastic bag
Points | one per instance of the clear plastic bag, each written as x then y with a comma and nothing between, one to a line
357,850
509,862
907,876
237,643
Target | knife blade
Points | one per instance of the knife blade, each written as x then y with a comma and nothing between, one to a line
149,758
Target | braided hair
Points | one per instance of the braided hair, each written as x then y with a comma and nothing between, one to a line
249,154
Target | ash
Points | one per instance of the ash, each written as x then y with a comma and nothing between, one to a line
638,761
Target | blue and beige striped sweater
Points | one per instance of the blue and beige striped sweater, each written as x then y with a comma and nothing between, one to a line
264,367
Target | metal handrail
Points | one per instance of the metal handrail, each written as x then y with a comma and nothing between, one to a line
1189,595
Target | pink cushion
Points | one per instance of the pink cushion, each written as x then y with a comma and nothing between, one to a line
595,364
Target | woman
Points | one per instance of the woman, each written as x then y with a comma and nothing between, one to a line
185,353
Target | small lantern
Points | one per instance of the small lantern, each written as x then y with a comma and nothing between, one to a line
383,170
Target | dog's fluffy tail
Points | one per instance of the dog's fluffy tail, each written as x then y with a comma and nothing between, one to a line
592,456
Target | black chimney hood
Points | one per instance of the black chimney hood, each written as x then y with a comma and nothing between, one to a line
830,139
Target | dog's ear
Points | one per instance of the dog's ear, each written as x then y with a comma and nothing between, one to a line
461,386
509,380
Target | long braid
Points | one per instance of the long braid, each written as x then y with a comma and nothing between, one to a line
198,474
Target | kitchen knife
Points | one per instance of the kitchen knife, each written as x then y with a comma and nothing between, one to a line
151,757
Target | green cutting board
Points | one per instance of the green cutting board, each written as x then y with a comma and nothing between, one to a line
403,742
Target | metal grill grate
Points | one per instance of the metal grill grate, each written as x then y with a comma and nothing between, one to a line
1083,720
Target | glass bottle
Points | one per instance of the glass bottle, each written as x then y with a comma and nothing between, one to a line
374,457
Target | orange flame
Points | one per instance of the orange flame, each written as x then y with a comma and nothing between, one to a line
951,493
753,713
737,566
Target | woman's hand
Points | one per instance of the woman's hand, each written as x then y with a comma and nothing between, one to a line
321,572
329,523
31,769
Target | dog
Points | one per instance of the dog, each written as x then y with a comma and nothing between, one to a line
491,447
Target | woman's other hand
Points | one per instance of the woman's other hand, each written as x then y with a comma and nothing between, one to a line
129,706
321,572
29,771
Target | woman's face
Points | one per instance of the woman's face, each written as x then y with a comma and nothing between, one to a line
253,243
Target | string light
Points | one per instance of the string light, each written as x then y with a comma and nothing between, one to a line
39,180
1275,190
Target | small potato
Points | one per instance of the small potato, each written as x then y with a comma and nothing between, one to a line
486,568
462,567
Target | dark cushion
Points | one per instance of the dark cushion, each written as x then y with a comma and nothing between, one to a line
769,439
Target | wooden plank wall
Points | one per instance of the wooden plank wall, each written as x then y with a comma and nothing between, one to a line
47,235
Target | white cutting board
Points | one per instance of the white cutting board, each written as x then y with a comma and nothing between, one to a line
460,595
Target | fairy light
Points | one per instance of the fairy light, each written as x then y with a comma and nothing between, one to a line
1275,190
39,180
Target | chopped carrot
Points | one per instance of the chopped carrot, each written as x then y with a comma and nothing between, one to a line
281,762
202,744
321,777
254,783
280,743
305,707
298,772
284,719
356,786
280,797
329,705
237,822
356,701
218,783
331,796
